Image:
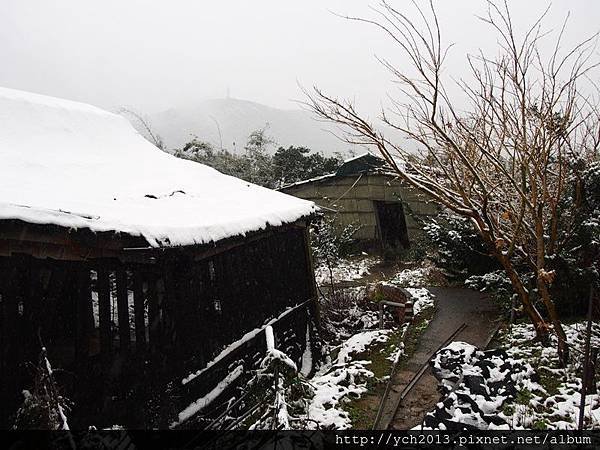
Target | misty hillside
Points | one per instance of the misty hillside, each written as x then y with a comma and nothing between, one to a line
237,119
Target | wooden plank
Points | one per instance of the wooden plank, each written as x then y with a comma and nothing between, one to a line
81,299
28,330
104,311
123,310
168,302
153,317
310,272
10,309
138,307
90,322
35,307
8,354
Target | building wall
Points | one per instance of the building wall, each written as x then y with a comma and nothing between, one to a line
353,196
123,331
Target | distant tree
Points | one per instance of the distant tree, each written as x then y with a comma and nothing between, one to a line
143,124
221,160
197,148
259,162
257,165
294,164
258,141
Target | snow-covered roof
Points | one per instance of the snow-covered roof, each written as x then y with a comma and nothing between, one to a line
354,158
310,180
346,170
78,166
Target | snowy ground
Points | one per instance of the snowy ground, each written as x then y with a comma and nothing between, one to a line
554,402
411,277
343,379
346,270
519,386
346,376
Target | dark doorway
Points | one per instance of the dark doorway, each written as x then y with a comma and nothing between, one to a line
392,225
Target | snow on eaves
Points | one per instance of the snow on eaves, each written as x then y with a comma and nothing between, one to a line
310,180
361,155
77,166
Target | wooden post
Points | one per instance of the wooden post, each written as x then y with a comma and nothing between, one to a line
153,318
123,310
586,360
104,312
311,275
167,304
11,315
10,342
82,298
90,323
28,332
138,306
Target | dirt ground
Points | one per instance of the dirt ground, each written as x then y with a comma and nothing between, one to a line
454,306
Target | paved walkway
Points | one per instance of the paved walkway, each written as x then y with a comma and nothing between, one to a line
454,306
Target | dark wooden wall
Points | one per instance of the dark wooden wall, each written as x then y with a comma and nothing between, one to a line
120,333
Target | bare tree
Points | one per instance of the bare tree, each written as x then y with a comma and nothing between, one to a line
508,159
145,126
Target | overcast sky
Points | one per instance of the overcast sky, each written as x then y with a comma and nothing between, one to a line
153,54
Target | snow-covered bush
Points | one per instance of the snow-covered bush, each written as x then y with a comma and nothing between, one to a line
330,241
43,407
457,247
285,391
345,313
577,264
496,282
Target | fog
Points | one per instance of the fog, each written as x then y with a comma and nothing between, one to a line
153,55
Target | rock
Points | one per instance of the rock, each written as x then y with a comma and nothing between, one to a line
485,366
441,414
476,384
461,380
495,419
466,399
431,421
496,387
452,425
498,352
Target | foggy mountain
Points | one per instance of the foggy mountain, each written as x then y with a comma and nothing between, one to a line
236,119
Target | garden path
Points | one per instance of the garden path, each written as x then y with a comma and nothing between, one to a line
454,306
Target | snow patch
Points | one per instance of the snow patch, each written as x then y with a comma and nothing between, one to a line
422,299
307,360
204,401
345,270
344,377
411,277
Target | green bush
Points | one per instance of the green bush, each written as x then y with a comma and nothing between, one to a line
457,247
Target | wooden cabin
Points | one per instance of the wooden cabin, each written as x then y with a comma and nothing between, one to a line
366,193
149,279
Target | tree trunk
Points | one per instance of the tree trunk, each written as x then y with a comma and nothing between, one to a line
563,346
539,324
